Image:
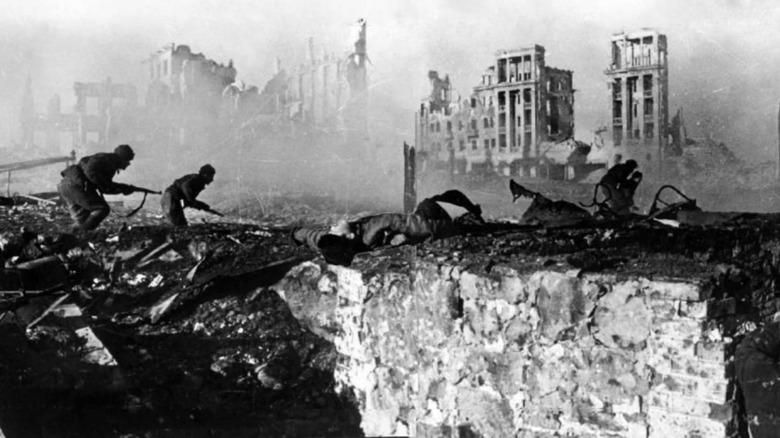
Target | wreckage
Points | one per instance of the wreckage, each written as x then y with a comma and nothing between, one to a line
230,327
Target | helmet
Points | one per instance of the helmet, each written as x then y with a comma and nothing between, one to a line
207,169
124,152
632,164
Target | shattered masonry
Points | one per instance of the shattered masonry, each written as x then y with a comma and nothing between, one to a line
520,105
440,349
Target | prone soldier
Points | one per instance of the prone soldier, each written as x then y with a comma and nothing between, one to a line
437,217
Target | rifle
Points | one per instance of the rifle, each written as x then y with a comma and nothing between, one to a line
145,192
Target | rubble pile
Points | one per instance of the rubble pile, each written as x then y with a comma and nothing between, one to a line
626,330
150,330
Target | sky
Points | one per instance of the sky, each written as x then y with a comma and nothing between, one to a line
723,63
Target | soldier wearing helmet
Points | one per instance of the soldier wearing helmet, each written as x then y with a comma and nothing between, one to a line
182,193
84,184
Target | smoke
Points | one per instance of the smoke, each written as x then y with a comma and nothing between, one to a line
721,53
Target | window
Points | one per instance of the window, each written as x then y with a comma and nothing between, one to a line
487,144
474,144
449,126
487,124
492,143
491,122
474,124
462,145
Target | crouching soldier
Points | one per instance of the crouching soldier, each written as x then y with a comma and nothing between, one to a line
84,184
618,186
436,217
182,193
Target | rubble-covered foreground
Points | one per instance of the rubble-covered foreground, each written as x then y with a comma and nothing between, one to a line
619,328
139,330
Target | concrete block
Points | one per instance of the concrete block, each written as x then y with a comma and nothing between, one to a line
669,290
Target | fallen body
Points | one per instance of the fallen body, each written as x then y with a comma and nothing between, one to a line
429,221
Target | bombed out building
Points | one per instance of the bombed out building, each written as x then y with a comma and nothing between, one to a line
103,114
513,118
325,94
196,104
638,85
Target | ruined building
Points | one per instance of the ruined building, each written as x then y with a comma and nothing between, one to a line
104,113
638,86
327,92
513,117
178,75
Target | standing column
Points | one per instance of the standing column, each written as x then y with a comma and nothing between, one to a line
640,113
624,97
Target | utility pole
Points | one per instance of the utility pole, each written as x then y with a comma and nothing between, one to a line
777,164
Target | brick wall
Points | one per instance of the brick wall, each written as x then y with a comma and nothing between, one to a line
438,351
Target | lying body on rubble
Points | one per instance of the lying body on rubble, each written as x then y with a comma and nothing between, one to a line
183,193
617,187
84,184
436,217
543,210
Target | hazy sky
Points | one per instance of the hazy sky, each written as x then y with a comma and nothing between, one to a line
722,53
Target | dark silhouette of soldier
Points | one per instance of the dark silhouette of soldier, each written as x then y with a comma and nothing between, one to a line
84,184
182,193
618,185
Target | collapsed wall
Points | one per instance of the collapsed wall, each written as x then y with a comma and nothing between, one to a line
438,345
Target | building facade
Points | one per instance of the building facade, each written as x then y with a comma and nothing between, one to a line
327,92
519,110
638,88
176,74
105,113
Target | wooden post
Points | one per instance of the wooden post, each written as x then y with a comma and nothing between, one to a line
777,168
410,183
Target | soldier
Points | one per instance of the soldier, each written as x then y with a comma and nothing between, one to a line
436,217
184,191
758,374
618,186
84,184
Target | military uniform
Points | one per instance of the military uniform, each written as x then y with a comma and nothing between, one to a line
618,185
429,221
184,191
84,184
